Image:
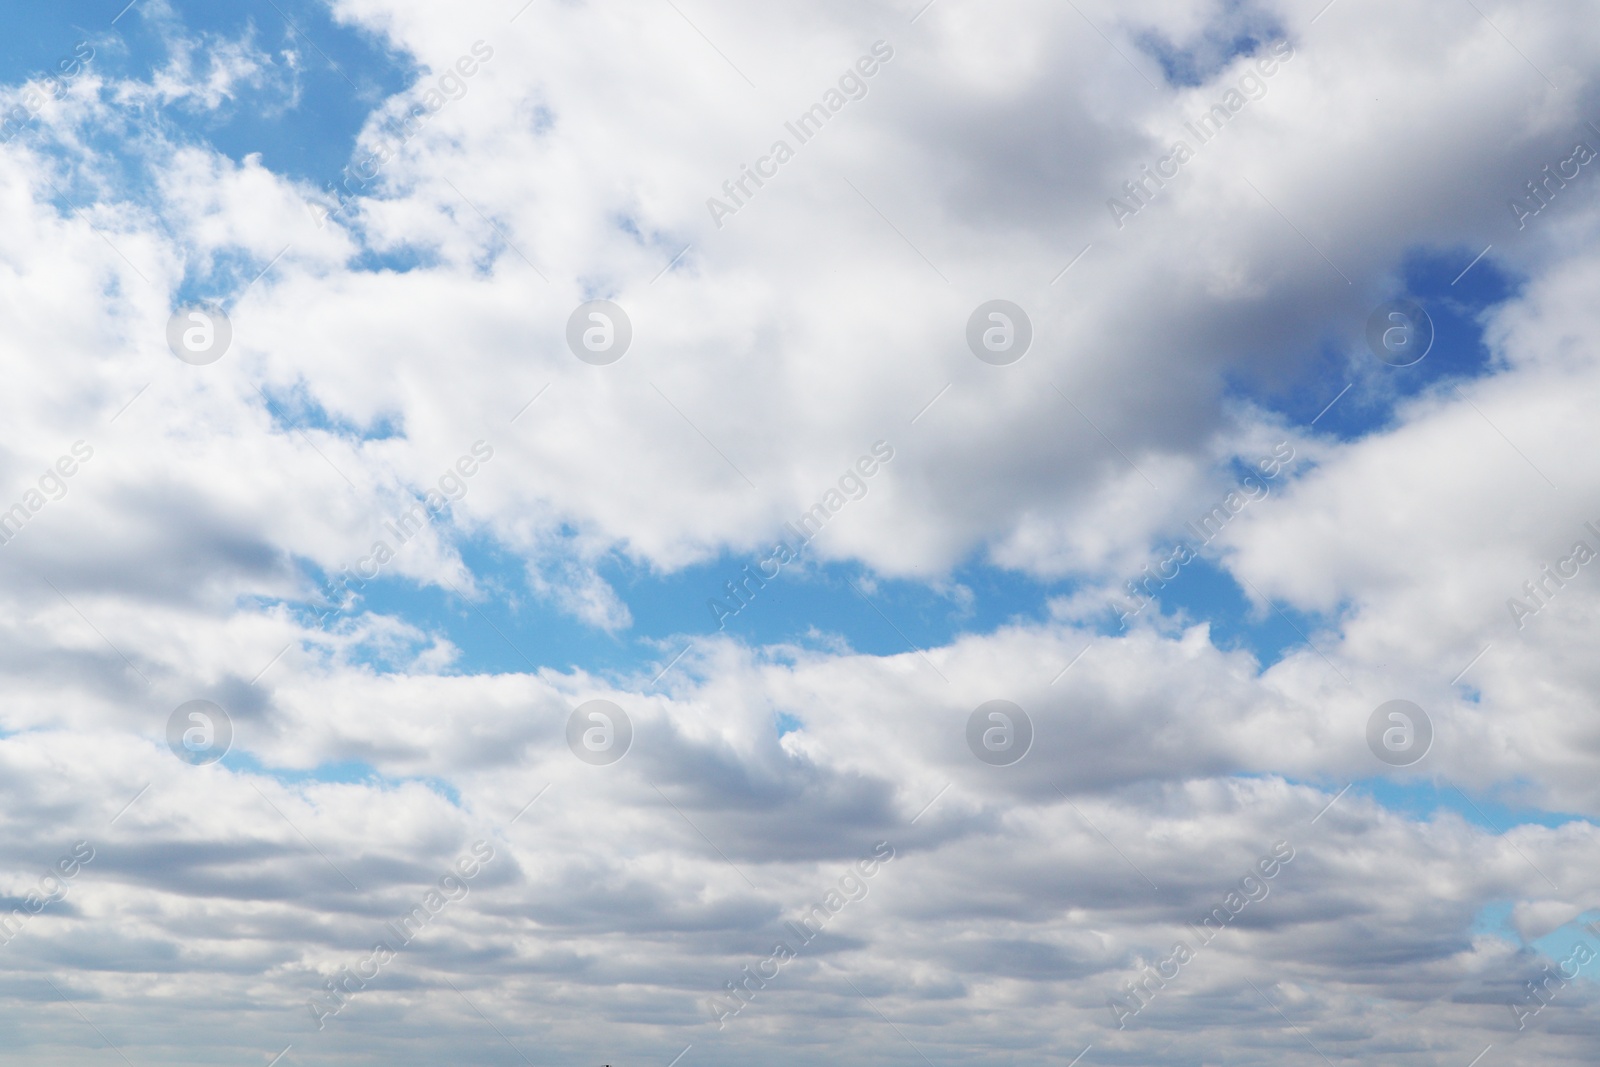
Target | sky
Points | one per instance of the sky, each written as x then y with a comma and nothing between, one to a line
676,533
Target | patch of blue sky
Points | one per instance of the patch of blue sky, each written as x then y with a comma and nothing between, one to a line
221,279
1495,920
1185,68
37,35
1455,302
300,112
817,606
1240,28
875,615
1559,943
319,82
339,75
402,259
296,409
1203,591
514,629
343,772
1423,797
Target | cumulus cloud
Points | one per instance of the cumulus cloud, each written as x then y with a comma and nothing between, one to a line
399,376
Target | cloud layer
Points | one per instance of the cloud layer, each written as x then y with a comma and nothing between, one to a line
399,374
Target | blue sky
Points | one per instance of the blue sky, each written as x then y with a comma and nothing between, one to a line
306,134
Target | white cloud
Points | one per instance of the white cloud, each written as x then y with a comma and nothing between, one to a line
821,318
